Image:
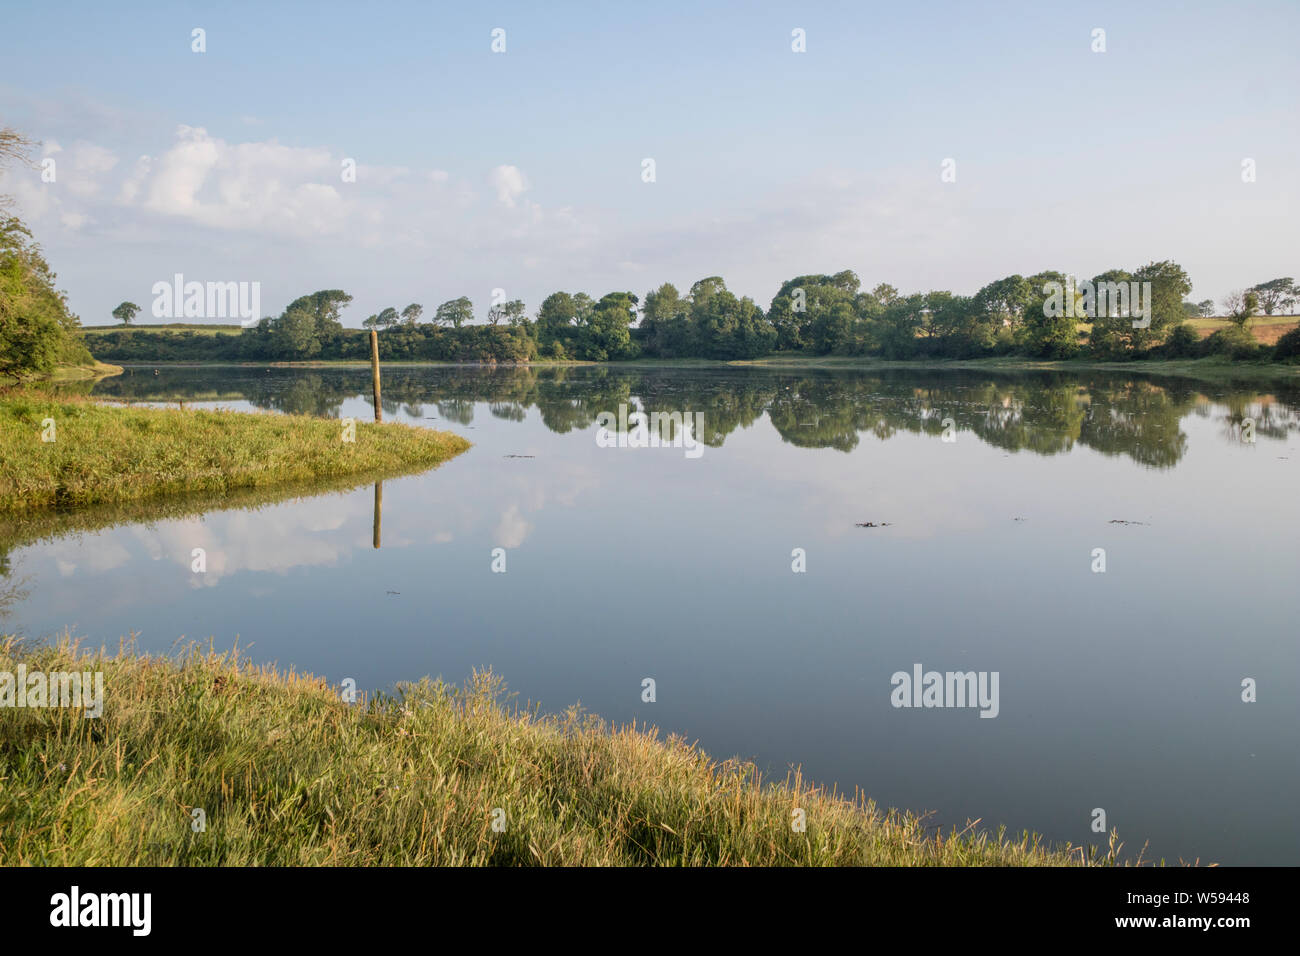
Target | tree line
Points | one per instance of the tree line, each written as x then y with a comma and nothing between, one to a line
820,315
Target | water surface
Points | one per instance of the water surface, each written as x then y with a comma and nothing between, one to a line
1119,690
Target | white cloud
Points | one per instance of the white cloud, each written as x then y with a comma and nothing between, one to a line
509,183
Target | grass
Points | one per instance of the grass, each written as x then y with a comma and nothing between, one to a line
204,328
104,454
288,774
1266,329
1213,369
95,370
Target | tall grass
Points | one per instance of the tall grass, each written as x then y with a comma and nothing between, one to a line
287,773
103,453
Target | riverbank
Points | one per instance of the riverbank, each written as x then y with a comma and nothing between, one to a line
1206,369
80,373
286,773
62,450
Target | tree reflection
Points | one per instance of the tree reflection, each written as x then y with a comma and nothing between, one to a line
1042,412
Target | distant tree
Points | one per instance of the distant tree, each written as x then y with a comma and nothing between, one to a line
1004,301
1276,295
666,323
898,324
126,312
387,318
815,311
512,312
411,314
885,294
606,333
294,335
1207,308
562,321
963,326
1169,286
726,327
371,322
515,312
456,312
1241,307
1049,332
326,310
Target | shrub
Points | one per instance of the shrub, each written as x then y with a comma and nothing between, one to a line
1233,342
1183,341
1288,346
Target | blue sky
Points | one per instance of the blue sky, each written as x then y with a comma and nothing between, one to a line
522,170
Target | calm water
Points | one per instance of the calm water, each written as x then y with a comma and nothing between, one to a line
1119,690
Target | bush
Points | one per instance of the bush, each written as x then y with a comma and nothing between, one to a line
1183,342
1232,342
1288,346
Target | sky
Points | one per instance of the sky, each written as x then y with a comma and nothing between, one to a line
523,170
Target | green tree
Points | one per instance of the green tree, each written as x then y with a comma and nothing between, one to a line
1112,324
606,333
1241,307
411,314
1169,286
126,312
561,323
726,327
326,310
294,335
37,331
898,324
1004,301
512,312
1276,295
816,311
455,312
666,324
961,325
1050,328
885,294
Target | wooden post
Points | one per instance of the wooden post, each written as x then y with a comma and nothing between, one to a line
379,510
374,368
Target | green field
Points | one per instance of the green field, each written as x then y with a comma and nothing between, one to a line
58,450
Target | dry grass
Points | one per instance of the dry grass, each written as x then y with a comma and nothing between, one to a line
287,773
1266,329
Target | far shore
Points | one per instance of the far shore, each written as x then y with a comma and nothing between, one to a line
1215,369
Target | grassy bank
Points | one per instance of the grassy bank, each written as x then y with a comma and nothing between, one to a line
75,373
286,773
103,453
